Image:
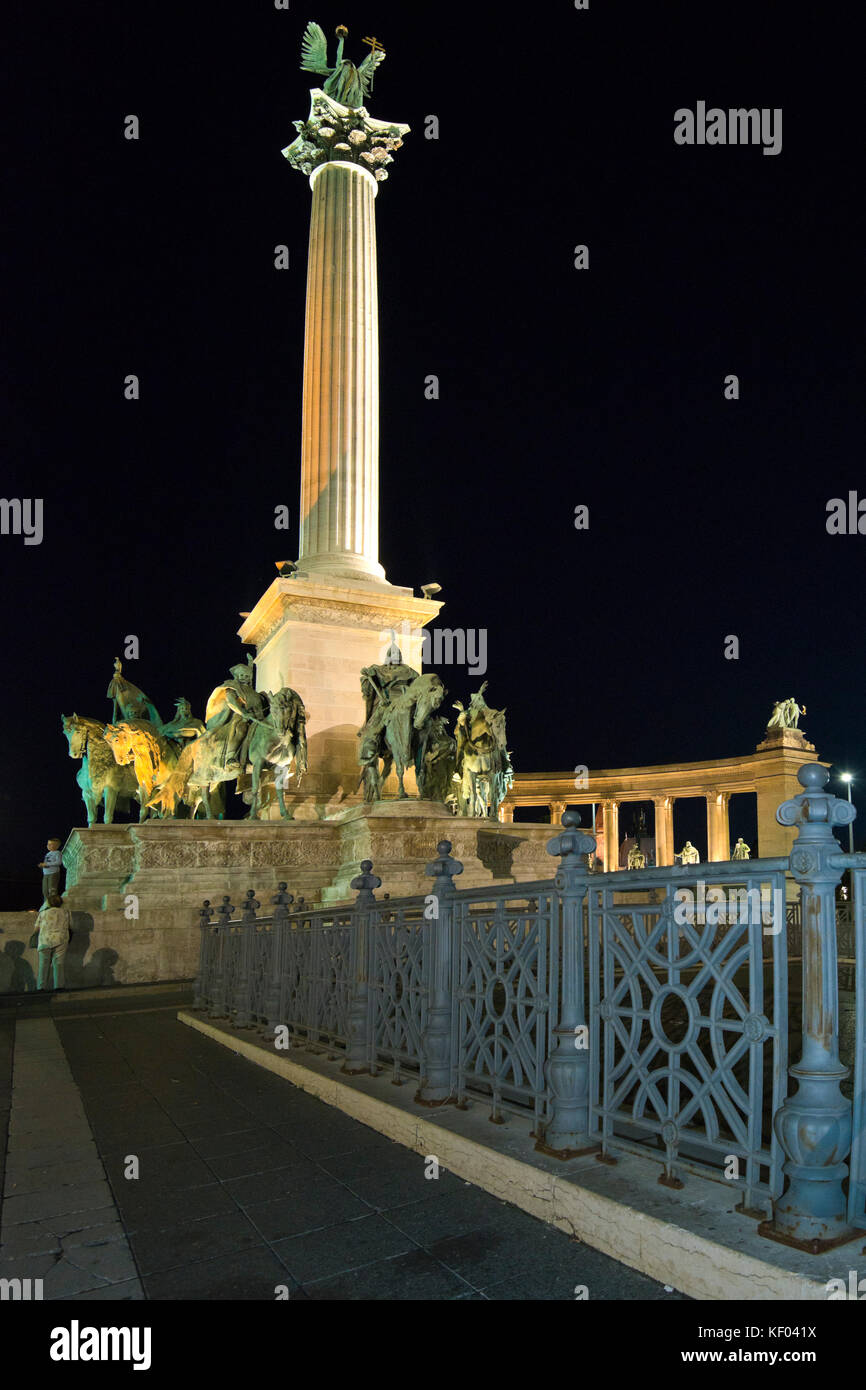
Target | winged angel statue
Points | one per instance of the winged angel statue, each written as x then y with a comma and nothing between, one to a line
346,84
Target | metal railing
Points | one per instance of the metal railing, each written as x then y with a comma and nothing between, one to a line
635,1012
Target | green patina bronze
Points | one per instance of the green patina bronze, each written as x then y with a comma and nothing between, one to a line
347,84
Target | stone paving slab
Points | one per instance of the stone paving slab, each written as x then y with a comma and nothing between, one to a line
59,1220
247,1186
53,1237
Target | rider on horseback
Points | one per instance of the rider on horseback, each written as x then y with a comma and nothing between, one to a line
232,710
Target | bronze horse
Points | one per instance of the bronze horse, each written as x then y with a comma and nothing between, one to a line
100,777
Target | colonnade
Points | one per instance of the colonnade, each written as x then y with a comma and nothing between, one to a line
718,830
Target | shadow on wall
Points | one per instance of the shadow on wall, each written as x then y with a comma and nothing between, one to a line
19,959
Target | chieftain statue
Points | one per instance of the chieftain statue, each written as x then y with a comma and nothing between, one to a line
242,725
483,764
184,726
131,702
229,716
346,83
185,762
400,705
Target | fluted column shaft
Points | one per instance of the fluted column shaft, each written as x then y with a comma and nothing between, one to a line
610,831
340,430
664,829
718,832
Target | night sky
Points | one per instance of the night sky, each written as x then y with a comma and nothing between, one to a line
558,387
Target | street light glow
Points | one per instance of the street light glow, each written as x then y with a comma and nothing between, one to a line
847,776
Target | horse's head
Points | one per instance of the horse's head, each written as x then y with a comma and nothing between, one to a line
283,711
119,738
77,731
76,736
429,692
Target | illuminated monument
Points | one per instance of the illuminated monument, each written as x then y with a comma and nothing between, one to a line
332,616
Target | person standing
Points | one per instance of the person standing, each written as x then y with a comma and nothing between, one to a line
54,924
51,866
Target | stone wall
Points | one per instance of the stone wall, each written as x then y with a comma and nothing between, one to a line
135,890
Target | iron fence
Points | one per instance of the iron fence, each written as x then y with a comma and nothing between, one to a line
634,1012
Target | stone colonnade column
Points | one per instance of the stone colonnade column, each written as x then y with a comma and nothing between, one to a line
506,813
610,824
664,829
557,809
718,831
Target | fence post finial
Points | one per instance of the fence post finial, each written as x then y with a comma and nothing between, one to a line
365,883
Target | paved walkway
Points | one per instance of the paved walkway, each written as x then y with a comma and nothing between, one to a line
146,1161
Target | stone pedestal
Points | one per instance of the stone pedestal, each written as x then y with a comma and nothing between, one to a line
781,754
315,633
135,890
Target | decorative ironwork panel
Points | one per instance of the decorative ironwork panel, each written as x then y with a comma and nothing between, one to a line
296,984
506,955
232,946
316,976
207,967
857,1174
399,974
262,945
332,979
691,1040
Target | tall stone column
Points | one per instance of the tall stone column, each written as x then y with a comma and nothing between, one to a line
340,429
610,823
344,151
322,620
557,809
664,829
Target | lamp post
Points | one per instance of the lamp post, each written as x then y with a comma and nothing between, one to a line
849,778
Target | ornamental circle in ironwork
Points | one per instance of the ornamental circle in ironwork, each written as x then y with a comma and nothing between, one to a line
755,1027
803,861
670,1133
672,1018
605,1010
497,998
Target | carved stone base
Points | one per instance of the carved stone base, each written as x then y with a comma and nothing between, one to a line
786,738
135,889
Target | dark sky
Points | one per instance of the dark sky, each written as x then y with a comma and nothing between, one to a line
558,387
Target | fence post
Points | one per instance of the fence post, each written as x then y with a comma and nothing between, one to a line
567,1068
243,987
219,1004
280,903
202,979
436,1060
358,1043
814,1125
